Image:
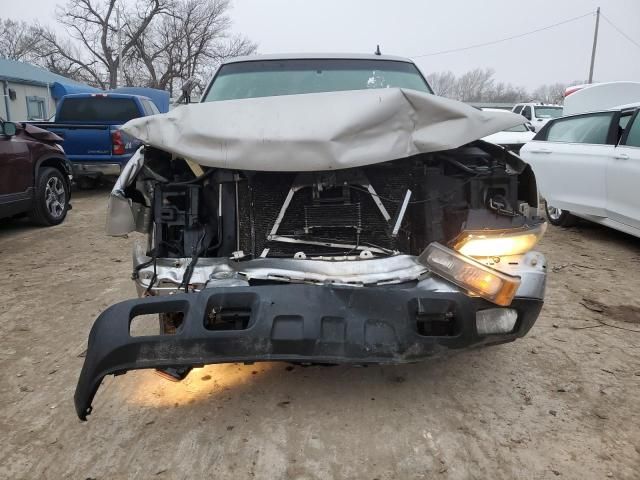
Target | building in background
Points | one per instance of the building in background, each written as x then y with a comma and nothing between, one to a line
30,92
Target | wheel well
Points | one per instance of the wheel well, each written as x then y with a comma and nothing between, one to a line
57,163
528,187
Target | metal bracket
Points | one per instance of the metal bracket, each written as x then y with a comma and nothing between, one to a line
378,202
299,185
401,213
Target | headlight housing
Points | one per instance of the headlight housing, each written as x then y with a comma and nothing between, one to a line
467,273
499,243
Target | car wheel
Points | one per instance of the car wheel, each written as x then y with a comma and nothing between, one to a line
51,201
559,217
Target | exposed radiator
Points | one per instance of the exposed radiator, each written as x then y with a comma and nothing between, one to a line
354,220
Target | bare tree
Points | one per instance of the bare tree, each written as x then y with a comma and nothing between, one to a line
190,40
551,93
474,84
443,84
161,41
505,93
63,57
18,40
92,23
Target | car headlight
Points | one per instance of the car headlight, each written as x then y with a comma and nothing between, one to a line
499,243
467,273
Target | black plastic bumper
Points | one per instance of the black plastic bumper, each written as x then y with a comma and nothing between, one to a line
300,323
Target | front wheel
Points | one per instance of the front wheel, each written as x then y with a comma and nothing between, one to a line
51,201
559,217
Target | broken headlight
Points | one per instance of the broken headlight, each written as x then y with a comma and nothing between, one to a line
467,273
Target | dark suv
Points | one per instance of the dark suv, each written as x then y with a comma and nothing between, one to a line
35,175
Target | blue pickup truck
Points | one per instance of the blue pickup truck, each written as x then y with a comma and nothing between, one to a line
89,124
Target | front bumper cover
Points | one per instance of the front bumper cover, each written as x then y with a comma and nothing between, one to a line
295,322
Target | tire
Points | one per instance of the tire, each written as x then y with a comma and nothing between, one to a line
559,217
51,201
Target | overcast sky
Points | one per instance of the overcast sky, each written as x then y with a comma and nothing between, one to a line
414,27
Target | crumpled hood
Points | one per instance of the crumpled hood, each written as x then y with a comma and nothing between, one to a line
319,131
41,134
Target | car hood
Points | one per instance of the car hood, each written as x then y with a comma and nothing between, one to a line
40,134
319,131
508,138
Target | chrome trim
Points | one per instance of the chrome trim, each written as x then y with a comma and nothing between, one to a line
109,169
347,271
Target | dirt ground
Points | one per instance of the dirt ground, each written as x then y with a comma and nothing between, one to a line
563,402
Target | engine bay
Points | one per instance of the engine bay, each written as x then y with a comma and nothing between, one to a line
390,208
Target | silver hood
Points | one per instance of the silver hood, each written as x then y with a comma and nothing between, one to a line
320,131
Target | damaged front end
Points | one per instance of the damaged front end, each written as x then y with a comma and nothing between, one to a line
363,263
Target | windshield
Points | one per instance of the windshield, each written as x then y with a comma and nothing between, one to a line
266,78
518,128
548,112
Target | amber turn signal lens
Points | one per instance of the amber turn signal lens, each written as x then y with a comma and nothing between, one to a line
467,273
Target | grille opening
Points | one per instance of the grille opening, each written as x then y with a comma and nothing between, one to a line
151,324
228,318
435,318
171,322
436,324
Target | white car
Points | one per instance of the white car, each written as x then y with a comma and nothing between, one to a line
599,96
588,166
512,138
537,113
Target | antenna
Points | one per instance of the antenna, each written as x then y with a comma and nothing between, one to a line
377,52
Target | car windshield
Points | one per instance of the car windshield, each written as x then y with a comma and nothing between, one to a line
518,128
266,78
548,112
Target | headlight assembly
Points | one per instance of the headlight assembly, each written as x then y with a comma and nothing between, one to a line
467,273
499,243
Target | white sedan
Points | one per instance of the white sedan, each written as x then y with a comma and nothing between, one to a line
588,166
512,138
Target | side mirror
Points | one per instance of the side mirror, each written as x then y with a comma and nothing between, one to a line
530,127
9,129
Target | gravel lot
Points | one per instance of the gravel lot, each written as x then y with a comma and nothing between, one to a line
563,402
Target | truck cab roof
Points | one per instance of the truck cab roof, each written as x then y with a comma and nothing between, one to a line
311,56
539,104
104,95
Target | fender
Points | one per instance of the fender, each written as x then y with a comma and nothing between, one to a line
59,160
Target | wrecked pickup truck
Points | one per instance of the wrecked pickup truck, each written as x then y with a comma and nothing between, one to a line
325,209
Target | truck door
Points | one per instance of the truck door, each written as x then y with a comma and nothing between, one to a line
15,167
623,177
